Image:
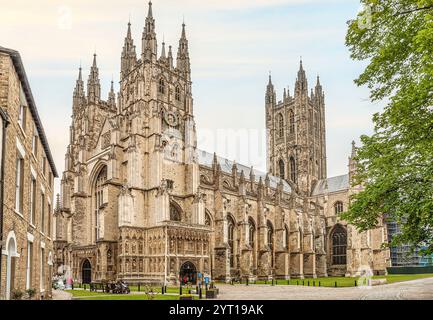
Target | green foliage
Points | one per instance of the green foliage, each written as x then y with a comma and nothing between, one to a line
31,293
16,294
395,164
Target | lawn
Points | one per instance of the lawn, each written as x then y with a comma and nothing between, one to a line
131,297
91,295
156,289
341,281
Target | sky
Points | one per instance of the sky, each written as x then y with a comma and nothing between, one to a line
234,44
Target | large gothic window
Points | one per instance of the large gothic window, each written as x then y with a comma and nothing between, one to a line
293,169
280,120
161,86
339,245
174,213
230,239
99,198
291,122
281,166
338,207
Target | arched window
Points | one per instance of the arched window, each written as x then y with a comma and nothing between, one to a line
174,213
99,198
280,120
339,245
291,122
281,166
161,86
338,207
293,169
230,239
251,232
177,93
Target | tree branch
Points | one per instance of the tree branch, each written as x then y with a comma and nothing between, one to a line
414,10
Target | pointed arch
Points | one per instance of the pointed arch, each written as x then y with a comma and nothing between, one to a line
338,207
161,85
175,212
98,197
231,229
280,125
291,122
338,238
281,169
292,164
177,93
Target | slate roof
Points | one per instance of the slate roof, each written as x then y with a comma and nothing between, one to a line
333,184
206,159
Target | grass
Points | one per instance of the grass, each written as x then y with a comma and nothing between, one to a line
157,289
392,278
92,295
342,281
131,297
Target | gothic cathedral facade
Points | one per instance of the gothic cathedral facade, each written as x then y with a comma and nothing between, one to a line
140,203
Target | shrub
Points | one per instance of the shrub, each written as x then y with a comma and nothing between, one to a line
16,294
31,293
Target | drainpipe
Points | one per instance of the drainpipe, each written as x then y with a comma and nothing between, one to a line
5,120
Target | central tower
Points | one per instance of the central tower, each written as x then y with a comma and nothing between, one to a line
296,146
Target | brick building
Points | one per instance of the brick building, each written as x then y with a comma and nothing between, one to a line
28,173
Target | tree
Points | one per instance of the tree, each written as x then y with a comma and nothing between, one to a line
395,163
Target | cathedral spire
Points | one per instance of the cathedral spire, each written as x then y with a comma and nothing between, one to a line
170,57
112,96
129,56
163,56
149,11
149,43
78,90
93,84
301,81
270,92
183,62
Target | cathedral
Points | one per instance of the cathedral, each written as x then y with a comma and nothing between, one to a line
140,203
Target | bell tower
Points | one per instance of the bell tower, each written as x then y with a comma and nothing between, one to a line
296,134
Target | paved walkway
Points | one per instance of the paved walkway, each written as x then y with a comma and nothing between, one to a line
61,295
421,289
